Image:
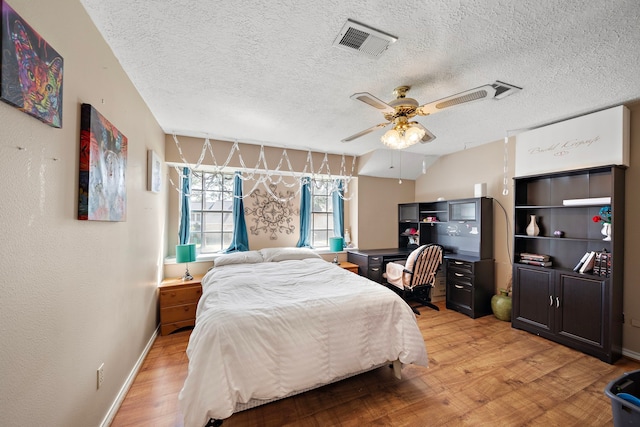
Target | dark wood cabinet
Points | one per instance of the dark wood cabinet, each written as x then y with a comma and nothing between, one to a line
462,226
470,285
580,310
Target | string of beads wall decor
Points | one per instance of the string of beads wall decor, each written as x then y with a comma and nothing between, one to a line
264,176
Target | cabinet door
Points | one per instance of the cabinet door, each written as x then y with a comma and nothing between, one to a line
408,212
533,304
580,306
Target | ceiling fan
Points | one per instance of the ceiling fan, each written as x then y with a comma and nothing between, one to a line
399,112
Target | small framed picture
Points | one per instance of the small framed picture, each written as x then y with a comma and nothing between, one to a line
154,172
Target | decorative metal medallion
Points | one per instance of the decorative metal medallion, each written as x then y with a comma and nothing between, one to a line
270,214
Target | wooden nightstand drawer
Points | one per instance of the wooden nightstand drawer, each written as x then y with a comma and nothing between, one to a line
178,312
178,301
167,328
349,266
177,296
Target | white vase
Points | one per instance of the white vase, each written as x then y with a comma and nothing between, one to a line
606,231
532,228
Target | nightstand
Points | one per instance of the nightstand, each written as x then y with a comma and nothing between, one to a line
349,266
178,300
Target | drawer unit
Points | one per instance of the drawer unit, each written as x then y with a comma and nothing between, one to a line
470,286
374,270
178,301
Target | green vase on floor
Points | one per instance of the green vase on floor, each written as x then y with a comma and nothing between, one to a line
501,305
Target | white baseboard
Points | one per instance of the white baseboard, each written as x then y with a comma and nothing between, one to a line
113,410
631,354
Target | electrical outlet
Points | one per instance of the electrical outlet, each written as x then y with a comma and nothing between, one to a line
100,375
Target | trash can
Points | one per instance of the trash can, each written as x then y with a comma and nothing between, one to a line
624,393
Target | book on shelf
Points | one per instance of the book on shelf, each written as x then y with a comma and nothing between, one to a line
597,263
588,264
602,265
534,262
534,257
581,262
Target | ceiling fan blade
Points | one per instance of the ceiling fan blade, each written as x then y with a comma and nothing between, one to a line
482,92
428,136
366,131
369,99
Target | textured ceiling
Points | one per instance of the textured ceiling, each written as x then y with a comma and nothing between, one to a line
266,72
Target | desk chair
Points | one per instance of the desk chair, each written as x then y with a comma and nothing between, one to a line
416,277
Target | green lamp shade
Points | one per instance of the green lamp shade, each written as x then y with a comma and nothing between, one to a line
335,244
186,253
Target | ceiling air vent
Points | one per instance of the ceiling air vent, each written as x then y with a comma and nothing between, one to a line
504,89
363,39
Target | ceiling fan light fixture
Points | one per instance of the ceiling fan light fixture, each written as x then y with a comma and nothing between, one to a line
402,136
414,134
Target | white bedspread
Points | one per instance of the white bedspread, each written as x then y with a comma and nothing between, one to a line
264,330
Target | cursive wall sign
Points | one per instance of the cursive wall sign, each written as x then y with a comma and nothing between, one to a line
595,139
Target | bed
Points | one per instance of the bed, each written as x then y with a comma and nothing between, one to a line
277,322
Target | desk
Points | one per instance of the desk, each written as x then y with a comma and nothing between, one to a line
469,279
372,263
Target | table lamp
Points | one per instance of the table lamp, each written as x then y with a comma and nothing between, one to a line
186,253
336,245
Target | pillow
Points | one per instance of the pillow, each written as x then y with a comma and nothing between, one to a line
246,257
284,254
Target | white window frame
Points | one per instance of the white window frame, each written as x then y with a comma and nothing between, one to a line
321,213
206,204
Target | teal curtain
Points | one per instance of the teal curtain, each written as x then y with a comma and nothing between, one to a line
305,214
338,211
240,240
185,209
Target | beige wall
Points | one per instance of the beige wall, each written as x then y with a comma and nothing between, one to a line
378,200
75,294
454,176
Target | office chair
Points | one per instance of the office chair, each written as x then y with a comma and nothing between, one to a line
416,277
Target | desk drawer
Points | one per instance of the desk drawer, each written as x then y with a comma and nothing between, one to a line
460,266
178,313
460,294
463,278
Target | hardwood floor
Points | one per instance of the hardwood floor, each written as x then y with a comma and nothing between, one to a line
481,372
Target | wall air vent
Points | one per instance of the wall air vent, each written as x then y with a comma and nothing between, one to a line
363,39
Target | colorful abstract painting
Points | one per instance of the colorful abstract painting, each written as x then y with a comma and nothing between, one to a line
31,72
103,162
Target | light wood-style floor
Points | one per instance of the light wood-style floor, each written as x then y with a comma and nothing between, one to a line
482,373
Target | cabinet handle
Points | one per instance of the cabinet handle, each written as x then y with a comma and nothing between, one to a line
458,286
459,274
375,269
375,258
550,301
458,262
557,302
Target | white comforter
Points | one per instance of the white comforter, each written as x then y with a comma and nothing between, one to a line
265,330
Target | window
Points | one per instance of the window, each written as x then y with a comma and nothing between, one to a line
211,203
321,213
